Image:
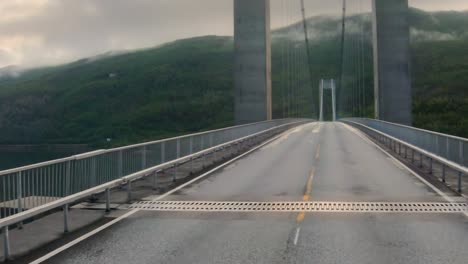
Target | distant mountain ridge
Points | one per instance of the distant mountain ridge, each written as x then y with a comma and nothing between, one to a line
10,71
137,95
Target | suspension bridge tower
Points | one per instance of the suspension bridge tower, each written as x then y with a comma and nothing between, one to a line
252,72
393,98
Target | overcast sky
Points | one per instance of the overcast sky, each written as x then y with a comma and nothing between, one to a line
45,32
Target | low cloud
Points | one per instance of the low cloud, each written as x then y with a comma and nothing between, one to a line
44,32
70,29
423,35
327,27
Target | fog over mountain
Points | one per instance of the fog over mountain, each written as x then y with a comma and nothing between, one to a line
81,101
49,32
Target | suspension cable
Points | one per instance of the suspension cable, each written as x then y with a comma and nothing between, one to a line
343,30
364,113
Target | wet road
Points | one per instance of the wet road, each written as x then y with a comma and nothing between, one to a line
316,162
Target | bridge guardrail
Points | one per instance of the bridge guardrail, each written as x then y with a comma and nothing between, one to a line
449,147
37,184
418,141
35,189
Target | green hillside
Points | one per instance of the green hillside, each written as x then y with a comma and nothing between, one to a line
187,85
128,97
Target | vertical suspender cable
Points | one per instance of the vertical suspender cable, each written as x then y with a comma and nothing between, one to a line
343,30
293,68
296,48
352,72
309,59
353,68
359,58
289,58
296,72
290,62
356,65
348,74
361,72
346,83
294,64
362,58
283,63
305,87
364,103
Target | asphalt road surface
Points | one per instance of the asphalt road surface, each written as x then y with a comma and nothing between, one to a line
315,162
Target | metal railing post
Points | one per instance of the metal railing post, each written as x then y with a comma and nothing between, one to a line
108,199
155,179
460,174
214,151
20,196
129,191
420,160
163,152
191,152
460,153
68,179
143,158
174,179
430,165
447,147
65,219
443,173
93,171
203,155
215,156
6,243
120,164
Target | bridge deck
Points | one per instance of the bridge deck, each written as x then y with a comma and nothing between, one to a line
325,162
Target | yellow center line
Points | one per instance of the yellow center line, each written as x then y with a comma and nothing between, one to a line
309,182
300,217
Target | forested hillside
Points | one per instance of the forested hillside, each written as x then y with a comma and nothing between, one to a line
187,85
179,87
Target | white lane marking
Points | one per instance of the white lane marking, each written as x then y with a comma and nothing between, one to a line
296,238
430,185
317,128
84,237
291,132
396,164
132,212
